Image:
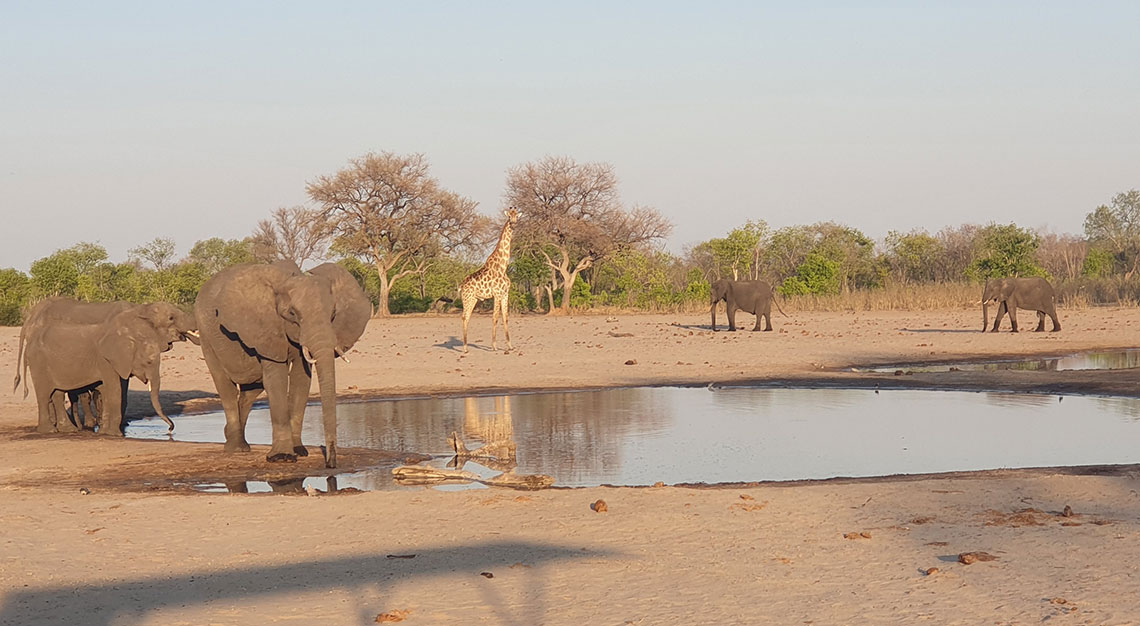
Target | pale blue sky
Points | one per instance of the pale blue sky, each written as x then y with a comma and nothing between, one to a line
120,122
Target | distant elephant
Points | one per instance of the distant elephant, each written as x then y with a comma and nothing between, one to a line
264,327
168,321
753,296
63,357
1034,294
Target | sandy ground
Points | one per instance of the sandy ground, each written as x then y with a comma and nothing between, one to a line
136,551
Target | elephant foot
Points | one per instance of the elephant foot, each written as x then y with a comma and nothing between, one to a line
300,451
45,429
768,330
281,457
237,446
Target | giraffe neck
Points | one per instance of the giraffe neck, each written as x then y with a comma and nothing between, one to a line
498,260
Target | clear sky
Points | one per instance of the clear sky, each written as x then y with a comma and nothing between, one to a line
125,121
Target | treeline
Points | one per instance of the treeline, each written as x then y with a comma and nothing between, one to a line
410,242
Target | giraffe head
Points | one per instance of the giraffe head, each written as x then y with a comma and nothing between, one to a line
512,216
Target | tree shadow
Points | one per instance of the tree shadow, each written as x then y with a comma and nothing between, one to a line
130,601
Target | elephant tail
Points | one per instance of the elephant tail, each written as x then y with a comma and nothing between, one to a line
19,362
777,303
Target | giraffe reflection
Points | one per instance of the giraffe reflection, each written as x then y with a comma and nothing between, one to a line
494,428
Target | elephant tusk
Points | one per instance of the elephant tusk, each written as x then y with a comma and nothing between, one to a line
192,333
345,359
308,356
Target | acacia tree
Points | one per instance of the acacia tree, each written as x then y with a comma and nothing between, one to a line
572,216
388,209
159,252
293,234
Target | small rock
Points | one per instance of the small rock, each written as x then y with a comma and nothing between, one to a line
1068,512
392,616
599,506
486,574
83,491
967,558
311,490
860,535
658,484
631,362
898,372
930,571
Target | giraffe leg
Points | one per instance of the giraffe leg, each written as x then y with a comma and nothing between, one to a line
468,309
507,331
494,323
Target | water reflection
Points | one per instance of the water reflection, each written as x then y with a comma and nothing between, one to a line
644,435
1103,360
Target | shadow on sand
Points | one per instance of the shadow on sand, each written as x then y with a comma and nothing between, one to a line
130,601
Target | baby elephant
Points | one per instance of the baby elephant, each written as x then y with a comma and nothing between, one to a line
64,357
753,296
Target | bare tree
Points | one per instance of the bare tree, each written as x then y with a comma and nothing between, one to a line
573,217
387,209
294,234
1063,256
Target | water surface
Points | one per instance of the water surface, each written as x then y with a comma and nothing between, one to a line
1099,360
639,436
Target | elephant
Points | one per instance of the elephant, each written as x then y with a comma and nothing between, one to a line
753,296
63,357
1034,294
170,322
263,327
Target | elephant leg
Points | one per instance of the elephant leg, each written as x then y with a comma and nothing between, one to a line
730,312
1040,322
47,417
1001,311
768,320
63,421
228,394
275,378
1053,316
759,317
1013,318
506,330
245,400
113,403
300,382
90,415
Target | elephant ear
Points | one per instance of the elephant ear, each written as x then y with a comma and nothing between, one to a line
118,348
247,305
351,308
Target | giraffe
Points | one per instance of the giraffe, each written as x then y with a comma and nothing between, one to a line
491,281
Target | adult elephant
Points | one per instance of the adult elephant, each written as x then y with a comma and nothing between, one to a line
64,357
265,327
1011,294
753,296
170,324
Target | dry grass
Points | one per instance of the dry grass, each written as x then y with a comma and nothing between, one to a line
894,298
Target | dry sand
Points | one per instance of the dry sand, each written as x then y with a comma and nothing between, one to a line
139,553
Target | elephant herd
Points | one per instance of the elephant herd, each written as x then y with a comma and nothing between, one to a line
261,327
268,328
1009,294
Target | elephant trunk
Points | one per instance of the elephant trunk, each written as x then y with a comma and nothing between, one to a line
154,385
326,378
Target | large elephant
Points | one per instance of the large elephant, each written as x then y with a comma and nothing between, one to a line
753,296
1011,294
63,357
262,328
168,321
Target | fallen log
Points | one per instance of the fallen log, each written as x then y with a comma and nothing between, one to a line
424,475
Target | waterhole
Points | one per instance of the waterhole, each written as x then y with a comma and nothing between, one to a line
640,436
1098,360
